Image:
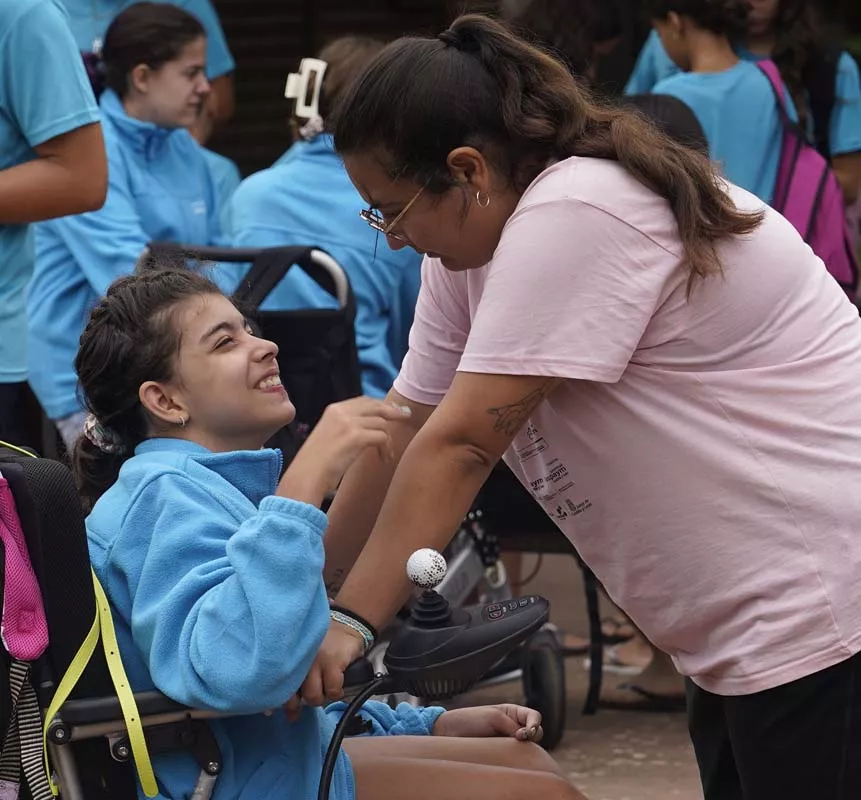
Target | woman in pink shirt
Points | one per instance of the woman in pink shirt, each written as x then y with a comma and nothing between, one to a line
659,358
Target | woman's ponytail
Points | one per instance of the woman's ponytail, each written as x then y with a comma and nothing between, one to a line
479,85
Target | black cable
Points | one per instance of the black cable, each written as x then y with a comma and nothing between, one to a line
340,730
531,576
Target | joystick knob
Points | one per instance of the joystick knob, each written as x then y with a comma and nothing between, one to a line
426,568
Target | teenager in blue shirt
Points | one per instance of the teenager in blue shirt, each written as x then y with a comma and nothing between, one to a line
306,198
52,162
89,21
787,32
732,98
213,561
160,187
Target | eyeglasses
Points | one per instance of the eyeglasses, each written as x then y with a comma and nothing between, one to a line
378,223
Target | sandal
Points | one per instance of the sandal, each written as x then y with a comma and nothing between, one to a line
644,700
616,631
615,665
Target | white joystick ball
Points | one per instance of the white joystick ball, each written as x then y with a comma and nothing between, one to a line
426,568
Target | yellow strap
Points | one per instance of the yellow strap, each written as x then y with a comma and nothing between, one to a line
72,676
140,753
18,449
103,624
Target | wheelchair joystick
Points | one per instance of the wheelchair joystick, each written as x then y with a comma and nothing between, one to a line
442,651
426,568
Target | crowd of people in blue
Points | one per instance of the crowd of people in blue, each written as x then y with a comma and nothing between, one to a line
163,73
106,108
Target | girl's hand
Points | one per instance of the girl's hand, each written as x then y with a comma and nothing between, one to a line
345,430
506,719
325,680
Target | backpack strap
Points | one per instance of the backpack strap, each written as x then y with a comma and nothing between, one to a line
22,745
768,68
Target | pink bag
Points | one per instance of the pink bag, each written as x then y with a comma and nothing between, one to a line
808,194
23,628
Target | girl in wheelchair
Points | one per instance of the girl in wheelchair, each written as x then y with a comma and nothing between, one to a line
212,559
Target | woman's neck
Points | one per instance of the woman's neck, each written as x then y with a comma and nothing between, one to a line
136,109
710,52
761,45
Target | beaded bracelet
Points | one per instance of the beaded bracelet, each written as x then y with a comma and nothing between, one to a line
353,615
355,625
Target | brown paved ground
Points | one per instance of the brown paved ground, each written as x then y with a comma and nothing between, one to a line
614,755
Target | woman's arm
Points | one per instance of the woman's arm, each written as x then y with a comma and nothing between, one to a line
70,176
438,477
361,494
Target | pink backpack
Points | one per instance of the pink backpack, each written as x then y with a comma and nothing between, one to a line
808,195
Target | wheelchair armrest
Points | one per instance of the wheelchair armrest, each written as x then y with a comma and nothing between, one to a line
94,710
107,709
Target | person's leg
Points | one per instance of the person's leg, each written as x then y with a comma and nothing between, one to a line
382,777
709,734
801,741
500,752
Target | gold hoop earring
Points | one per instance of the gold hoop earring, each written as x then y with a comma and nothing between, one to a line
482,203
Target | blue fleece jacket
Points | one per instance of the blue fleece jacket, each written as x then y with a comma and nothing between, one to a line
159,187
218,598
306,198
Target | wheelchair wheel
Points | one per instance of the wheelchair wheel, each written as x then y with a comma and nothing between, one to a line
544,685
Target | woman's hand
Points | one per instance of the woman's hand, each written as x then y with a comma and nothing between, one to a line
507,719
325,680
345,430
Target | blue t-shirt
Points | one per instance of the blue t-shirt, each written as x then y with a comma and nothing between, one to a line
307,198
90,20
44,93
159,188
654,65
740,119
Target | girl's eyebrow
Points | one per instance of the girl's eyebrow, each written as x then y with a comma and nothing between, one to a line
224,325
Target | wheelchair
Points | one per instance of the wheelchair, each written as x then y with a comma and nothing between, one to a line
90,732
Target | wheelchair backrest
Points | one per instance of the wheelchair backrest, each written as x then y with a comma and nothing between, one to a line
52,521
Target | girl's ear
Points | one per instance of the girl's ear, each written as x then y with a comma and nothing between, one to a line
675,25
139,78
163,402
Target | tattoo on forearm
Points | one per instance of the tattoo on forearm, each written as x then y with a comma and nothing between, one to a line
334,584
510,418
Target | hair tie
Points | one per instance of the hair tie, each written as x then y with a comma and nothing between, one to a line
449,38
452,39
106,439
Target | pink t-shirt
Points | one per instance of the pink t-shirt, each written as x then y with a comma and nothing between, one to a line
704,454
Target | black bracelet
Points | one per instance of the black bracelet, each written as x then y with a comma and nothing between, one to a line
353,615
